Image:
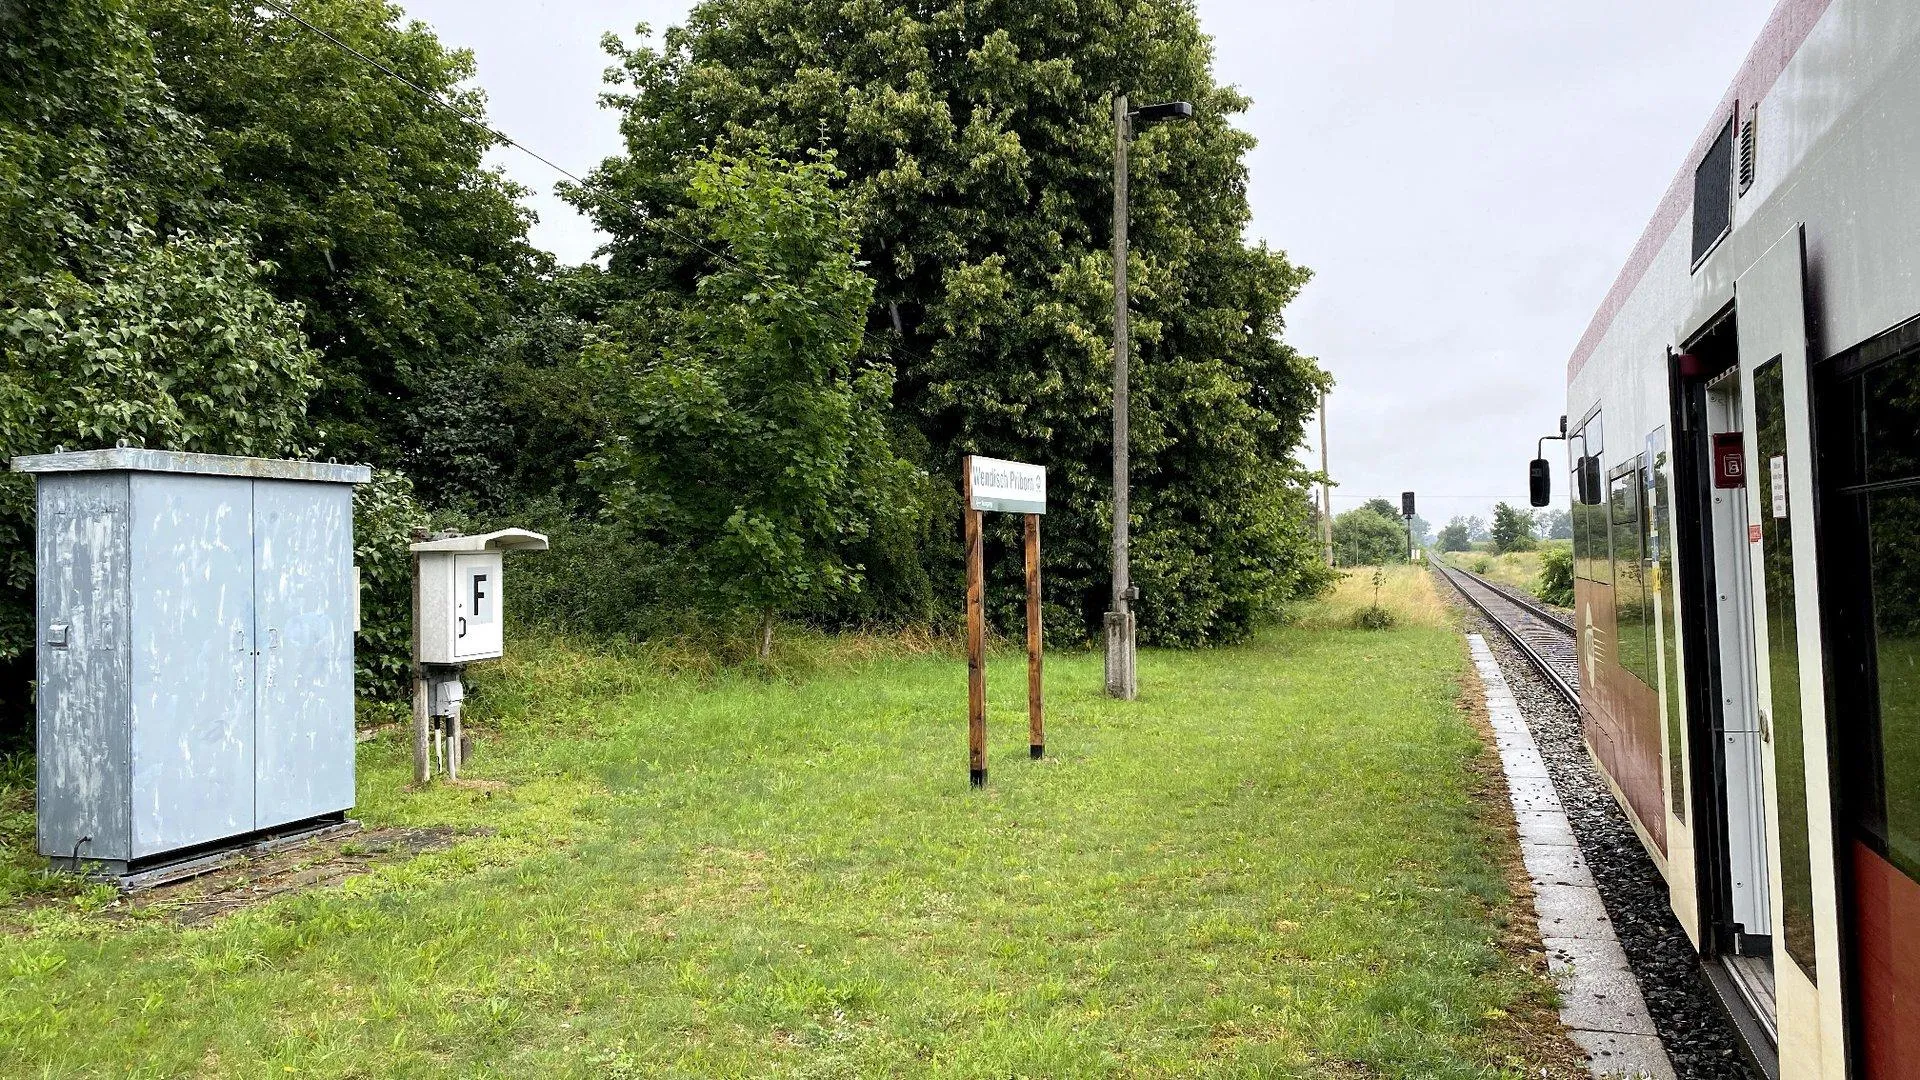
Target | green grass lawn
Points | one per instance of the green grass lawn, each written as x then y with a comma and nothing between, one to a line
1269,865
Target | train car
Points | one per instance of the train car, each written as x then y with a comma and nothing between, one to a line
1745,464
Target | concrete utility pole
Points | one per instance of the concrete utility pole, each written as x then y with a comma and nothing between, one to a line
1122,680
1326,487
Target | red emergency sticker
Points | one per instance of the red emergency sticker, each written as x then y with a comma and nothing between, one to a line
1753,534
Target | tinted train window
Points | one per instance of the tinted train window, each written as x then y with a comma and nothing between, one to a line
1783,662
1630,618
1892,407
1713,193
1874,461
1660,587
1893,524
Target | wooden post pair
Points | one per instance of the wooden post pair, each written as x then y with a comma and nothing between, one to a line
977,643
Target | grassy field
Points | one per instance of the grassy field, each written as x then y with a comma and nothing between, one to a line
1272,864
1520,569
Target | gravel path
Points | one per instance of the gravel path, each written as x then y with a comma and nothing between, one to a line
1698,1037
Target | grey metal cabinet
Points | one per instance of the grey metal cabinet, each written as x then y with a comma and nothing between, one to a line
195,649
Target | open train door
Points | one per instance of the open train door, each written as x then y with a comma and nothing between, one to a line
1770,311
1867,435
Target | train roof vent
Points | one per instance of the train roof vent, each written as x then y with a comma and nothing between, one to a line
1746,148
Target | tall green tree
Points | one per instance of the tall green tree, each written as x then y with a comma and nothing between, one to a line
1456,535
1366,537
1556,524
977,142
130,304
754,441
1512,529
406,254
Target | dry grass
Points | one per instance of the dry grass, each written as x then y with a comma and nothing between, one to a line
1520,569
1405,591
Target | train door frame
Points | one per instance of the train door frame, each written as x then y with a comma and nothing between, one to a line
1740,735
1710,359
1790,660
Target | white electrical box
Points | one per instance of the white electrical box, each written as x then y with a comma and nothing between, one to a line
460,598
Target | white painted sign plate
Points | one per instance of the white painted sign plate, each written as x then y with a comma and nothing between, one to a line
1011,487
1777,473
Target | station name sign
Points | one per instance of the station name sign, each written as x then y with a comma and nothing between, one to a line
1009,487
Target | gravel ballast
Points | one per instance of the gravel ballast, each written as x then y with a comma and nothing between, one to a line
1700,1041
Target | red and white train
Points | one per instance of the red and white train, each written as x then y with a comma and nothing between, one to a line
1745,454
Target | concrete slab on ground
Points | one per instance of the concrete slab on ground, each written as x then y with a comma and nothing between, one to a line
1601,1003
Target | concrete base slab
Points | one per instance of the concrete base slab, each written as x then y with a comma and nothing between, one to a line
1573,911
1641,1057
1557,865
1595,984
1601,1003
1544,827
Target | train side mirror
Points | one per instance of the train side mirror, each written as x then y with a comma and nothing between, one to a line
1540,482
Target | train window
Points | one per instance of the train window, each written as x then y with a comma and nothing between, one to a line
1713,194
1590,558
1627,529
1892,402
1876,515
1783,664
1660,586
1893,531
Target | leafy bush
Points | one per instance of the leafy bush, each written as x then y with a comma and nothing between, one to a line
1374,617
1556,575
130,305
756,441
1368,537
385,516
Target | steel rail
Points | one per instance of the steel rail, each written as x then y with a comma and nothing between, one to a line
1534,607
1551,621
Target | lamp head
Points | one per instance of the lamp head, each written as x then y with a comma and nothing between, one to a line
1148,115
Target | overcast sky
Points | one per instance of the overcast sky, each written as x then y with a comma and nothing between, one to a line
1464,178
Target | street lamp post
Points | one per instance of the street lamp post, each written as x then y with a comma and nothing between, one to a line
1122,679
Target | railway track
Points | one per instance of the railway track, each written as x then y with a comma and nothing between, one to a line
1542,635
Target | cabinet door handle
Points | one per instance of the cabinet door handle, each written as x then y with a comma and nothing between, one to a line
463,627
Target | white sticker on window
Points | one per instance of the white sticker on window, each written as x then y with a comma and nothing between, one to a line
1777,475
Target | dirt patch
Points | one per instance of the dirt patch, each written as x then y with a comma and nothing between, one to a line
315,864
1533,1034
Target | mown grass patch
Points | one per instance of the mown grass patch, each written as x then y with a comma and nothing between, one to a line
1271,864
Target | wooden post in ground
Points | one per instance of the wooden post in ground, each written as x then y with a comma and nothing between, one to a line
976,637
1036,727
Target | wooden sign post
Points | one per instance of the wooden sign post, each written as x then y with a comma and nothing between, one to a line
990,484
1036,729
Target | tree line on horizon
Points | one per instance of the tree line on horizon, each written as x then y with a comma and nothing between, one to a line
1374,533
847,246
